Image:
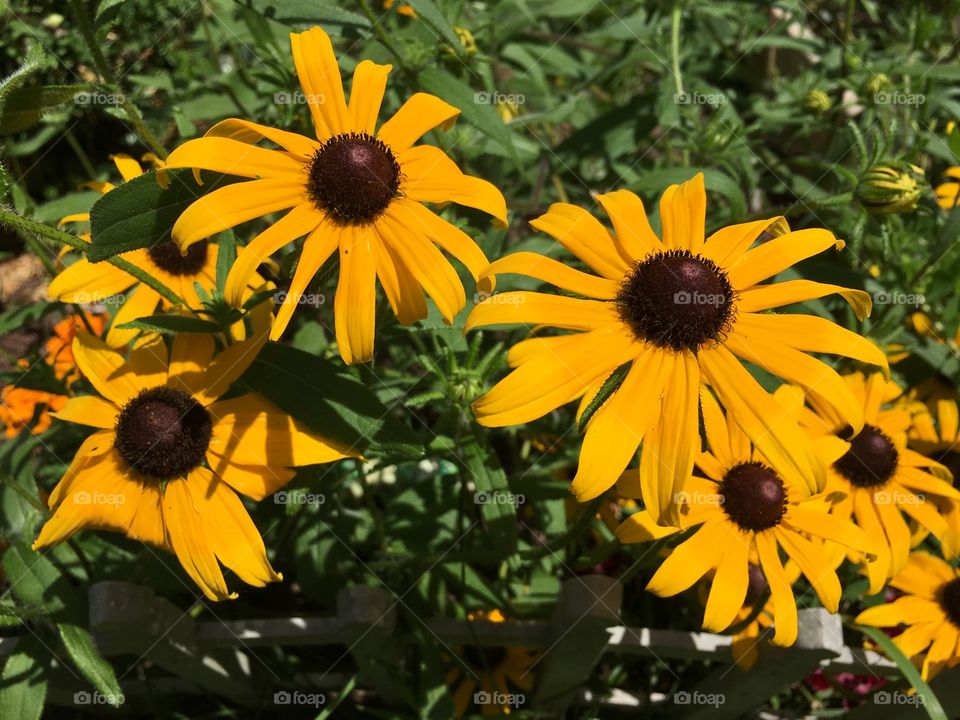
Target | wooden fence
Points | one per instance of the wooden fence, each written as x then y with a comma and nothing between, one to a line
221,657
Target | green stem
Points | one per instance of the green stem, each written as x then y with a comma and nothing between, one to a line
675,47
11,218
103,67
81,155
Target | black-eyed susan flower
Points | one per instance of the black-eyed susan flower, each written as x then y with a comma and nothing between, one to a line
745,512
87,282
355,190
168,457
935,433
930,610
674,310
495,677
879,479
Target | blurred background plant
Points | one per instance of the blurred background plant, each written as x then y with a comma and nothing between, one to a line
833,114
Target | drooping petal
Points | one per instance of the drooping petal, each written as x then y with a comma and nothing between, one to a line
617,428
729,588
355,304
105,369
641,527
690,561
784,604
127,166
757,413
399,285
317,249
814,564
669,448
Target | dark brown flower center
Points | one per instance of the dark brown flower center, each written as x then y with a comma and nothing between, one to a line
754,496
756,584
353,178
676,300
949,597
484,657
167,256
163,433
871,460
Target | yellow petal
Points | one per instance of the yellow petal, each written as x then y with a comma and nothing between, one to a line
923,575
784,604
233,157
715,428
366,94
683,210
728,244
556,273
426,263
355,304
86,282
417,116
666,459
148,361
249,132
774,295
317,249
127,166
399,285
300,221
229,365
778,254
320,79
547,381
233,204
430,176
690,560
757,413
729,588
584,236
105,369
88,410
906,610
141,302
815,566
633,234
617,428
189,358
641,527
534,308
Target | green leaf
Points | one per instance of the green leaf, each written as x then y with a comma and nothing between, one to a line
930,701
431,15
330,401
80,647
226,256
140,213
172,324
25,106
33,578
498,505
475,106
303,14
107,12
18,77
23,689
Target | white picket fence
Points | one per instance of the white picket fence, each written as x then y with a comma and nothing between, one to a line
224,657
